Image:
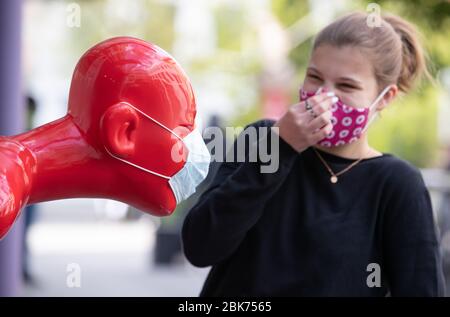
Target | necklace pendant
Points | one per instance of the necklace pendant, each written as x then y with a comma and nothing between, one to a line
334,179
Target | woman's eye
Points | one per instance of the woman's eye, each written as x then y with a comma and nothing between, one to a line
347,86
314,77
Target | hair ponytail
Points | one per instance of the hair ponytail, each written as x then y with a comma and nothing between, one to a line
414,60
393,48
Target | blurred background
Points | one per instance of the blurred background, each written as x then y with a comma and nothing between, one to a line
246,60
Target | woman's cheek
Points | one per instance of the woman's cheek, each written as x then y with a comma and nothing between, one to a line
309,85
352,99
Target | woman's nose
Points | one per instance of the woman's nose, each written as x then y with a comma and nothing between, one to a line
323,88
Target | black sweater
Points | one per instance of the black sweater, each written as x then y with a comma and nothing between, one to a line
294,233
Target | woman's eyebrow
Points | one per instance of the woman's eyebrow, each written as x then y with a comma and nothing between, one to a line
352,80
344,78
313,69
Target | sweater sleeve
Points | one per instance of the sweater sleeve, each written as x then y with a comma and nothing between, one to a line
235,200
411,252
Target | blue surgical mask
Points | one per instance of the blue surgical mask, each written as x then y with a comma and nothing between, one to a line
185,181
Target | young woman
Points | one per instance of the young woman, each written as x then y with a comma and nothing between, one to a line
338,218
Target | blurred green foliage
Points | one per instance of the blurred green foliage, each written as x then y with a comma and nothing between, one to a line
151,21
408,128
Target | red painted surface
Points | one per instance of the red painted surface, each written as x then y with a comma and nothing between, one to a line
67,158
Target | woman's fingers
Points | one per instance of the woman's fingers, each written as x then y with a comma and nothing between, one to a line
321,108
318,102
301,127
321,133
320,121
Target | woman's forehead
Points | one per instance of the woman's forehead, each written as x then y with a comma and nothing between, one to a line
336,62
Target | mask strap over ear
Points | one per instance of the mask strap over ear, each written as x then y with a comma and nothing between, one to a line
380,96
135,165
154,120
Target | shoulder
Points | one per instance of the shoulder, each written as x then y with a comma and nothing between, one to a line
260,123
259,129
407,207
402,180
400,171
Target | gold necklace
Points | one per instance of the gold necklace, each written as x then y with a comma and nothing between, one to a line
334,176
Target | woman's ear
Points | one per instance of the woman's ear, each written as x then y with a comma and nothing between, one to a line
388,97
119,126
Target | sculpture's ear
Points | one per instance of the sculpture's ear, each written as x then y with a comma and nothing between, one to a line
119,126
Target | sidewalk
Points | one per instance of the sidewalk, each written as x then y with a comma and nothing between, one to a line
115,258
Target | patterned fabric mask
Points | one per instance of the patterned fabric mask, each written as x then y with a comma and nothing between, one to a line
349,123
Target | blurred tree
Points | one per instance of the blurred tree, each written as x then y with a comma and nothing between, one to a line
102,19
408,127
289,11
237,57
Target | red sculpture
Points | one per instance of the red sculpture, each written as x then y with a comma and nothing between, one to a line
129,102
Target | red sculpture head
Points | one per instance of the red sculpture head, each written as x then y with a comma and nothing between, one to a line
130,106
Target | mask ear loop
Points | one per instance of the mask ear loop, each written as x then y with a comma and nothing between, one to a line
154,120
375,102
137,166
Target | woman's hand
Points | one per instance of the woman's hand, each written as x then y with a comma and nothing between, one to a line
301,128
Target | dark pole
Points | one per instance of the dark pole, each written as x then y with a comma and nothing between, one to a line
11,122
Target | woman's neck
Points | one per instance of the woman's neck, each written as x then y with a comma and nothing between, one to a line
66,165
355,150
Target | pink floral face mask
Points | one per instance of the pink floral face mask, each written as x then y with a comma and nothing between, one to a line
349,123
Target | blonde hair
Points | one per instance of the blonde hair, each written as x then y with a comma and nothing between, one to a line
393,47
